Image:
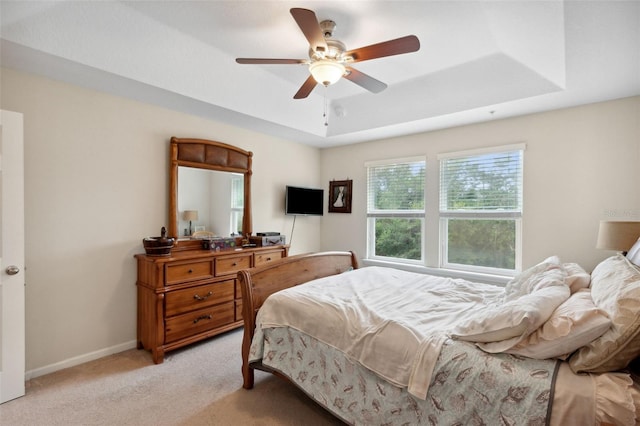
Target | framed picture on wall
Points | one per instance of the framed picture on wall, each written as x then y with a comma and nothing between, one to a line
340,196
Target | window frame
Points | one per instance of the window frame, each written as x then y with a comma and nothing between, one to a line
515,214
373,214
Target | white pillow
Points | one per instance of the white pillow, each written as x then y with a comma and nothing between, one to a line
634,253
526,282
577,277
575,323
530,298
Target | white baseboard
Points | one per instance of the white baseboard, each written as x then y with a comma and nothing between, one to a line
80,359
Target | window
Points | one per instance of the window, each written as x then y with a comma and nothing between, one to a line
481,209
237,202
395,210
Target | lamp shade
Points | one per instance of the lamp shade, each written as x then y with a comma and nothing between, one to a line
326,72
617,235
190,215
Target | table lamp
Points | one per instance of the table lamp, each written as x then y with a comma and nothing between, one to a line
618,235
192,215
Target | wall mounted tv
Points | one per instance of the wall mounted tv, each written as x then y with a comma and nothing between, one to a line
304,201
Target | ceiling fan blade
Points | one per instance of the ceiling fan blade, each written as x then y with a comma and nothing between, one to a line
308,23
397,46
306,88
264,61
364,80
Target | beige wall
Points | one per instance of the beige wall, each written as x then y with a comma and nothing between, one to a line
581,165
96,183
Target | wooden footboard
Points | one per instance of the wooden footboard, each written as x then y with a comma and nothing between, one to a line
259,283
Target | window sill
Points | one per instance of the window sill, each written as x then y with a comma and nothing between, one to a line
499,280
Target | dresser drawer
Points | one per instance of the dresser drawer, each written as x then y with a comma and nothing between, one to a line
192,294
231,265
269,256
238,310
195,322
180,301
182,272
238,290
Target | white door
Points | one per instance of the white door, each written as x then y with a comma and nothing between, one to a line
12,281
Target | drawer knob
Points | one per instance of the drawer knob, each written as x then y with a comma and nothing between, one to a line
201,317
268,259
190,271
234,264
205,297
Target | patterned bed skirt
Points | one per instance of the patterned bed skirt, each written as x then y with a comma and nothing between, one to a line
468,386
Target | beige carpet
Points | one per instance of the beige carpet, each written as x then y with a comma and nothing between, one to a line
197,385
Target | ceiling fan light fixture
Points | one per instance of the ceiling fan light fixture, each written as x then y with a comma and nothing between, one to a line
326,72
329,60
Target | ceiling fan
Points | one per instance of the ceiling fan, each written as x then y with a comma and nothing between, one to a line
329,60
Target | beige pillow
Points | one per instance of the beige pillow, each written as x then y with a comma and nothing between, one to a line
615,288
575,323
577,277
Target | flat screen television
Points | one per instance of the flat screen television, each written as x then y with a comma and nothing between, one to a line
304,201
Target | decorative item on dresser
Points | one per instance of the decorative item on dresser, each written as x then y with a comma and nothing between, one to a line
191,292
192,295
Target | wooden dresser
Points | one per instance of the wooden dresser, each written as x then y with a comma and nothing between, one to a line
192,295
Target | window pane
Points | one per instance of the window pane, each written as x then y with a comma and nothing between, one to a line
398,237
395,209
482,242
481,207
482,182
396,187
237,192
236,222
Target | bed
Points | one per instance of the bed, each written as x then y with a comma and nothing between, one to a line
382,346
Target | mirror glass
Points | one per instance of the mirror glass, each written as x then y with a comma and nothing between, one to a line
214,187
216,196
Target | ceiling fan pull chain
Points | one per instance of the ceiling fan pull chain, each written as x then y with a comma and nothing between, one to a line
324,114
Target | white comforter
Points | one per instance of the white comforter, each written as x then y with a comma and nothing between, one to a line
395,322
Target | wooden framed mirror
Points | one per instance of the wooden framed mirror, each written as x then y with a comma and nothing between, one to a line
188,154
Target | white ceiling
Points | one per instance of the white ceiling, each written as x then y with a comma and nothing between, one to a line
479,60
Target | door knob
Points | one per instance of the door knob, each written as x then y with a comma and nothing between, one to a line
12,270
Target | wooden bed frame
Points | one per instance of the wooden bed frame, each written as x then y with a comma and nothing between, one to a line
259,283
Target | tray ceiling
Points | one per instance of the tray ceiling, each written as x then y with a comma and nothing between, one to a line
478,60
